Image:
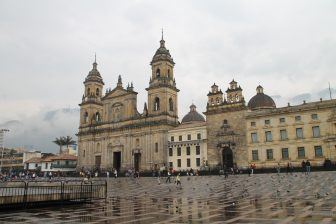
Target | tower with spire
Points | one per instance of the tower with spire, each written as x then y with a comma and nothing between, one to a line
91,107
162,91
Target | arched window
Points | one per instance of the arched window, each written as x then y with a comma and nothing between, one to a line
156,104
88,92
97,92
86,115
237,98
158,73
211,101
225,122
97,117
168,73
217,100
171,104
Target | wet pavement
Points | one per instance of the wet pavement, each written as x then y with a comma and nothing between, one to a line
262,198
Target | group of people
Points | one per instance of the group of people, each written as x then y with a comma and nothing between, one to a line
24,175
305,167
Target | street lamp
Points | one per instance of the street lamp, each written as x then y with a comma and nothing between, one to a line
2,143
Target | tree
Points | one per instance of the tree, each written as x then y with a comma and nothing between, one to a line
60,142
69,141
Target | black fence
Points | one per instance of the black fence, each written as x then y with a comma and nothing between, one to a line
25,194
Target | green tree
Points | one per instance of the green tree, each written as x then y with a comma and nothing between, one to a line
68,141
60,142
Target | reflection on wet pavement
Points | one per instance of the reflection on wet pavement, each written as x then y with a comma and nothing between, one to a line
264,198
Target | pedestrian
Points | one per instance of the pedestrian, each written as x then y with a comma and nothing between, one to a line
107,174
226,174
168,177
288,168
303,165
137,176
178,180
115,173
252,167
278,168
308,167
159,177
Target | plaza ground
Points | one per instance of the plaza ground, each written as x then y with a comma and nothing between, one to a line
261,198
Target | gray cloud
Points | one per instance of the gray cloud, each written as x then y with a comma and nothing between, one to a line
47,48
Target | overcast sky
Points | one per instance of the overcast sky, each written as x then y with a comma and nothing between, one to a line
47,49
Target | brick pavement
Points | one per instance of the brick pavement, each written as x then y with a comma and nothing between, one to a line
262,198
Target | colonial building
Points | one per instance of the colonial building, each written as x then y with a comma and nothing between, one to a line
290,134
113,134
265,135
187,145
226,128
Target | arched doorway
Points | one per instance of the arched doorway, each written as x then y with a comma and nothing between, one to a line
227,157
117,160
137,161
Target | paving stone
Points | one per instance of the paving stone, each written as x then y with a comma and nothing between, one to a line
262,198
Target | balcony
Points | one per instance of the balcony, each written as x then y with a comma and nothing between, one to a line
64,166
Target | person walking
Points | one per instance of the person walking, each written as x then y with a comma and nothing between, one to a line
308,167
178,180
303,165
115,173
159,177
278,169
136,176
291,168
168,177
107,174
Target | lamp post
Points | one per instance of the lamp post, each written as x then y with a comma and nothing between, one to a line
2,143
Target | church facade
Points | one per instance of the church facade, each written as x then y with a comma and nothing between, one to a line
113,134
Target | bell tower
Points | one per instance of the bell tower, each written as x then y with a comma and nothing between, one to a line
91,108
162,91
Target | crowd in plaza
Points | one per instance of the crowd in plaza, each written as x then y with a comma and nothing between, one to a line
162,172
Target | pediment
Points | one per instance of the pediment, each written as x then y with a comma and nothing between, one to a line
116,92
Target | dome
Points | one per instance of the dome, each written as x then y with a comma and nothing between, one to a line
261,101
162,54
193,116
94,75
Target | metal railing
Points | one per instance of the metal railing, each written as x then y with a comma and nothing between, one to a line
25,194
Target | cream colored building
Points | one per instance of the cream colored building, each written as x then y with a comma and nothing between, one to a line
226,127
187,144
290,134
261,133
113,134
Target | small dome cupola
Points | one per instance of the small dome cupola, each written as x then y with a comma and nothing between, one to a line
261,101
94,75
260,89
162,54
193,116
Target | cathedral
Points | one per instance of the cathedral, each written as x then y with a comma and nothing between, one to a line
113,134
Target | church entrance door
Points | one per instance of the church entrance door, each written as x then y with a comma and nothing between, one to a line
117,160
227,157
137,161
